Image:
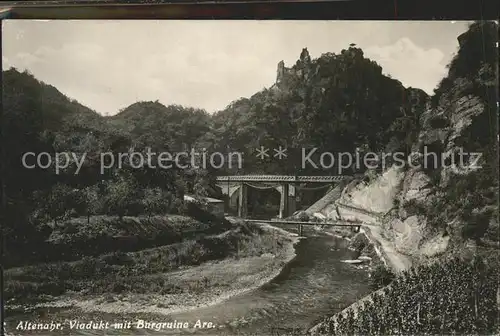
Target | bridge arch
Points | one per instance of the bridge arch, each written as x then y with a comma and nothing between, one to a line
233,191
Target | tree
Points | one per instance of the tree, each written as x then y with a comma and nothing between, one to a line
92,203
60,199
121,194
381,276
155,201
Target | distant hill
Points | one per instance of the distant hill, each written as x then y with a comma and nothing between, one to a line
34,107
55,107
39,118
156,125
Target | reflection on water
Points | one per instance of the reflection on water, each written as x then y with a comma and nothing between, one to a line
315,284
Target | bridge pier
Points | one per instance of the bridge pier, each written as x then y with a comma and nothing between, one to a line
292,205
288,203
242,200
284,210
292,202
300,230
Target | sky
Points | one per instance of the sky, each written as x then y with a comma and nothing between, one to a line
108,65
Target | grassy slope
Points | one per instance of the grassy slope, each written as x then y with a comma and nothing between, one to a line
138,271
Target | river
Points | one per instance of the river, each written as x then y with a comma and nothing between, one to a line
315,284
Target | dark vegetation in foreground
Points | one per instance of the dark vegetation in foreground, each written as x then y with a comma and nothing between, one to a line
140,271
457,296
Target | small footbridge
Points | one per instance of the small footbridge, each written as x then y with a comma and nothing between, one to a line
354,226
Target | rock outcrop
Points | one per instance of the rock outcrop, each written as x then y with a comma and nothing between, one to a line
443,201
443,205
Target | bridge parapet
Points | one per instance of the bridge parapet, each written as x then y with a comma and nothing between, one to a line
282,178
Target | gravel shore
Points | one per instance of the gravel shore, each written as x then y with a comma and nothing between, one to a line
224,279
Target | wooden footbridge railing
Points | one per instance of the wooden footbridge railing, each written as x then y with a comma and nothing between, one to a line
355,226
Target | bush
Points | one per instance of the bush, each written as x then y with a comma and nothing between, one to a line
303,216
359,242
117,258
413,207
380,277
438,122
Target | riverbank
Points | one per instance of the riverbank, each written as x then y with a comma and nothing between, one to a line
373,231
313,283
204,285
331,207
391,259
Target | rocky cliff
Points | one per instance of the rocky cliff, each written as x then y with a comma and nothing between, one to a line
437,210
445,202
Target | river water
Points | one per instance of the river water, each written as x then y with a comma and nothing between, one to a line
313,285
